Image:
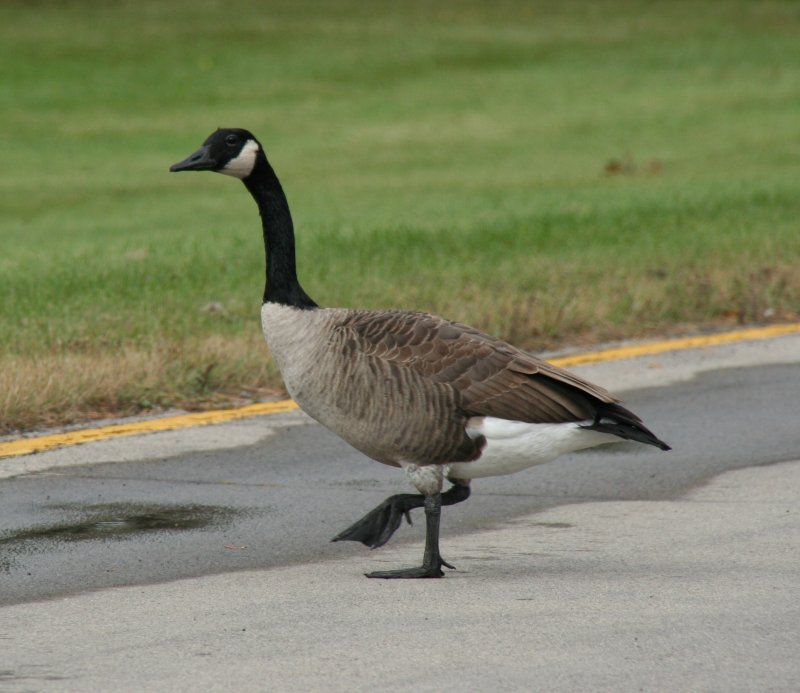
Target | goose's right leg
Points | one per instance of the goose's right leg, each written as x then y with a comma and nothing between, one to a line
432,561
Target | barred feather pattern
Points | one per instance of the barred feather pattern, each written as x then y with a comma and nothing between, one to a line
401,386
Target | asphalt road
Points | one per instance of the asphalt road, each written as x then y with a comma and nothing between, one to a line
267,495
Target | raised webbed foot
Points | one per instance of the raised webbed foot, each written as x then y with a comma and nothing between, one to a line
378,525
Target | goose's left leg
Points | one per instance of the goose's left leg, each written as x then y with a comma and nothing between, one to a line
380,523
428,480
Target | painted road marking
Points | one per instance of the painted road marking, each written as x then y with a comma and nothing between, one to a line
678,344
26,446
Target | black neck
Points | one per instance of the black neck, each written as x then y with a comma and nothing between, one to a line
281,285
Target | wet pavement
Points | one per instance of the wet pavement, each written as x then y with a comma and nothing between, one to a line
280,500
692,594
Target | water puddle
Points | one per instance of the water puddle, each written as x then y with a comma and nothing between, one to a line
113,521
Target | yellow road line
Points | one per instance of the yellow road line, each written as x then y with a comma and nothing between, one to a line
678,344
26,446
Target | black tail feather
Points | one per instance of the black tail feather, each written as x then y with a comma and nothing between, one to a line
618,421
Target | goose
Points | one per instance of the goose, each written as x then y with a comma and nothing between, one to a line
437,398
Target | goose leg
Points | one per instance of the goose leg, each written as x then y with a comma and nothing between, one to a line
432,560
378,525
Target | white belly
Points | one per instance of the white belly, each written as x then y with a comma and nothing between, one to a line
512,446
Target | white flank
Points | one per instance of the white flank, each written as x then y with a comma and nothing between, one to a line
242,165
514,445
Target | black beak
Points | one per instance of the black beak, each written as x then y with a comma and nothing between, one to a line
199,161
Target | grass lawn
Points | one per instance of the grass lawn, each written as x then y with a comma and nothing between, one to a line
553,172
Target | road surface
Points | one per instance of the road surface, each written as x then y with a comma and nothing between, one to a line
612,569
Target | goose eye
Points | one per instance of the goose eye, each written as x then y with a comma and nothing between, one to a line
231,140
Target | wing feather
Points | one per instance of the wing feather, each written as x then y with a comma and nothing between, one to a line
487,376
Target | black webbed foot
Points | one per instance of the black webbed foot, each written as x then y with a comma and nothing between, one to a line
432,560
378,525
434,570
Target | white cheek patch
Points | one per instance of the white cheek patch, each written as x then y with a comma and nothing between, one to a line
242,166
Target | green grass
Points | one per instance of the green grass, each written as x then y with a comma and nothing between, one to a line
457,158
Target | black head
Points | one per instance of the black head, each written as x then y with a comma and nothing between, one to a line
232,151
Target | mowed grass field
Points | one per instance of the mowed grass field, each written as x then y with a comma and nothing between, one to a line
557,173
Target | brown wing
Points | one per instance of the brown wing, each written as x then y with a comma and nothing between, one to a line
489,377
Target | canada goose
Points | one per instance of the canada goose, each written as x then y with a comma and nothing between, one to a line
408,389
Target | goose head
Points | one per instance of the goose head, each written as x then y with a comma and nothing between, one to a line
231,151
